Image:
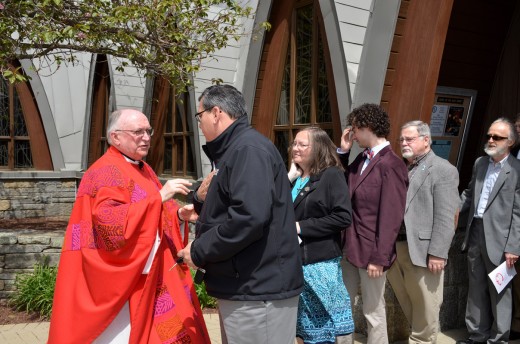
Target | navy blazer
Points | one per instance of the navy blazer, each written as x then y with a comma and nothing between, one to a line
323,210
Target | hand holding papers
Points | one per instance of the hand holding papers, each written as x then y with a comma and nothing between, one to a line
501,276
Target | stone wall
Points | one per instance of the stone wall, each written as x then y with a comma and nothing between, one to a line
20,250
33,198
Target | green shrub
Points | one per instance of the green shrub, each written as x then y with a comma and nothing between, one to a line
205,300
34,291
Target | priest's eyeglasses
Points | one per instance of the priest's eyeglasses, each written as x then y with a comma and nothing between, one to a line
138,132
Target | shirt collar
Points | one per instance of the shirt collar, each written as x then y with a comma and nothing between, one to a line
501,162
379,147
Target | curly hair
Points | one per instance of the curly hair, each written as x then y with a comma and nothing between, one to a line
371,116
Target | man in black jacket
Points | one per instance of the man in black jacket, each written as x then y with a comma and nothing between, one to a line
246,238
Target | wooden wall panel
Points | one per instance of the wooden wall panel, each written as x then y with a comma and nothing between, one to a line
418,46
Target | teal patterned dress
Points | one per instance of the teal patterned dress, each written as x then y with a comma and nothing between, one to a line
324,310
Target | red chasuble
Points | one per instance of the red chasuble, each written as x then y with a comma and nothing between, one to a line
112,229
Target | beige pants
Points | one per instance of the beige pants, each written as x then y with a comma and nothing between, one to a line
373,295
419,292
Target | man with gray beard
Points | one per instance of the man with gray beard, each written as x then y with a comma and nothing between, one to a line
492,234
423,242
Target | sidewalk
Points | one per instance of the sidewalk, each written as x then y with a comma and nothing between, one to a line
36,333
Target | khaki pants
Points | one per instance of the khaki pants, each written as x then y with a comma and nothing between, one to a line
420,294
372,293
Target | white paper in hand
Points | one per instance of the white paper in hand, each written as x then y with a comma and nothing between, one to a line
501,276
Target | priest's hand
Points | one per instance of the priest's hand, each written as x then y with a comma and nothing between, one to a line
187,213
174,186
203,188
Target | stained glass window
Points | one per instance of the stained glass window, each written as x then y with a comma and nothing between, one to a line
178,139
172,151
15,147
304,98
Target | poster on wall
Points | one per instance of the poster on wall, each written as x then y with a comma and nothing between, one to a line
438,120
449,120
442,148
454,121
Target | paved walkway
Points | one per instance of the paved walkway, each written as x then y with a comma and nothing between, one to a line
36,333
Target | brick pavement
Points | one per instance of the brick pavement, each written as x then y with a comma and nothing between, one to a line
36,333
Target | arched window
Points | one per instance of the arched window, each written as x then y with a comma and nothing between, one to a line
101,109
23,144
172,151
304,90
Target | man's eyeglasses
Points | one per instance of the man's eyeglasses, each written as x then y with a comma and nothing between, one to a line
299,145
408,140
198,114
495,137
138,132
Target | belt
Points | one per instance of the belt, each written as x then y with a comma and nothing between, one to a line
401,237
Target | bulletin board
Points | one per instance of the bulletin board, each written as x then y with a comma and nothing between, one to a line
450,120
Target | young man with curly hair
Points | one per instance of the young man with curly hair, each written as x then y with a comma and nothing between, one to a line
377,181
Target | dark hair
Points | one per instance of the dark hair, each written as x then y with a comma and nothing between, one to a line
226,97
323,150
371,116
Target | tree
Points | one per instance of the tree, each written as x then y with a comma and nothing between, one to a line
167,38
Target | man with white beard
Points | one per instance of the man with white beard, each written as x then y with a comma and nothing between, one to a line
492,234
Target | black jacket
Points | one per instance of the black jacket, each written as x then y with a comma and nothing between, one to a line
323,210
246,236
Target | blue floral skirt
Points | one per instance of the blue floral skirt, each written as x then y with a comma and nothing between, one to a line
324,311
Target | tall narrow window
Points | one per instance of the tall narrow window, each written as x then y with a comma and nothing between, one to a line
100,110
23,144
304,95
303,88
172,152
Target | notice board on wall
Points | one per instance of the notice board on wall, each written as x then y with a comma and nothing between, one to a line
449,122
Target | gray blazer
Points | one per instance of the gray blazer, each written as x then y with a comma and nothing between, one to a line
502,214
431,206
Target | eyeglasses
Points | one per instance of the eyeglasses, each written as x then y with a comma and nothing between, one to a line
495,137
408,140
299,145
199,114
138,132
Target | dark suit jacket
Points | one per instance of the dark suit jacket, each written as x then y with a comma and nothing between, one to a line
323,210
514,151
378,201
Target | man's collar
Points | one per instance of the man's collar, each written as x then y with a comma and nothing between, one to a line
132,161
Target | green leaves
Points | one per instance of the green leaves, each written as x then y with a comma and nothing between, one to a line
169,38
35,291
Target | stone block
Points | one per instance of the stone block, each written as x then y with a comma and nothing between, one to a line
34,239
18,185
2,285
7,276
14,249
57,242
23,261
8,239
5,204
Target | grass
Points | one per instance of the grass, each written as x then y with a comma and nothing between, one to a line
35,291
